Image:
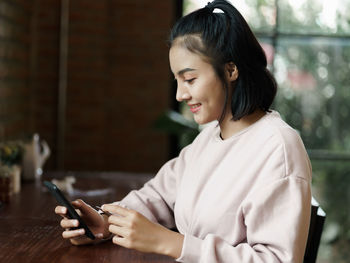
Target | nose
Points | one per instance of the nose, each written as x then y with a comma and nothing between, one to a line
182,93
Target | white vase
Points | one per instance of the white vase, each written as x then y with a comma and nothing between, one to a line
36,153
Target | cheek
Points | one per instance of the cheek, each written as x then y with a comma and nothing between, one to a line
209,90
218,92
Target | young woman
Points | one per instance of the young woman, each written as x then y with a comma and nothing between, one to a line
241,191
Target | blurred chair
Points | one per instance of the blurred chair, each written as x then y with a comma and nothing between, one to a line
318,217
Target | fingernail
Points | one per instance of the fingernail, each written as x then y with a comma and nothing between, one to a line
76,223
99,235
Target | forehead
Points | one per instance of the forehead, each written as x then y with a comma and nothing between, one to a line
180,58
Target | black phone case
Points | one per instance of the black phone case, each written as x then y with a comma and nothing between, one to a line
55,191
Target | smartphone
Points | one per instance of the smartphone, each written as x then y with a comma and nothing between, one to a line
71,213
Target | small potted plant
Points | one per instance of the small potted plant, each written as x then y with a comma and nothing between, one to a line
11,153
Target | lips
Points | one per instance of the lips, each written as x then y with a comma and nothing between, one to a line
194,107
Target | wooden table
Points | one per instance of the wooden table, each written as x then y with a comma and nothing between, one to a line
30,232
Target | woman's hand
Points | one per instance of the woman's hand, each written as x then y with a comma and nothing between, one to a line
97,223
133,230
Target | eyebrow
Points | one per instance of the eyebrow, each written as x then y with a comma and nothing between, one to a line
182,71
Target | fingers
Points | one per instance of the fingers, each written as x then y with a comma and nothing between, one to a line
83,209
79,212
78,203
121,241
73,233
69,223
119,231
116,209
82,206
119,221
61,210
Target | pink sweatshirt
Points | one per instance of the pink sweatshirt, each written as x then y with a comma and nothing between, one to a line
243,199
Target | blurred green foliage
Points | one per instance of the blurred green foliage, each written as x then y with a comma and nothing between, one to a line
11,153
175,123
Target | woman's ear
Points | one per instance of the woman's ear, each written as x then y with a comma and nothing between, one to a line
231,71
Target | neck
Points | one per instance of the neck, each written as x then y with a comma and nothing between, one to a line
229,127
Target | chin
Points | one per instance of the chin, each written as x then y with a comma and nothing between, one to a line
200,121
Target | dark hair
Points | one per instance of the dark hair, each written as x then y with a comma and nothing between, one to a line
226,37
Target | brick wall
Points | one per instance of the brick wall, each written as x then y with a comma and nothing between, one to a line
45,22
119,78
118,81
15,103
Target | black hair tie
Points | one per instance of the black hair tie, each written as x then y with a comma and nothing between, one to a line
210,7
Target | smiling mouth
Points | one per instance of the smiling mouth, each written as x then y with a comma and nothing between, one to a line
195,107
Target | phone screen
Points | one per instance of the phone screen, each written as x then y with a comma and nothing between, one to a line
71,213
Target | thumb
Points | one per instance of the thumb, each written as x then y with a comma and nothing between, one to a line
99,235
86,210
82,206
98,238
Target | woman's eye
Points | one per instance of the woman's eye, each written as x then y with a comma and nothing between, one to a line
190,81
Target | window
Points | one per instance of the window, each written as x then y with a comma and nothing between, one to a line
307,43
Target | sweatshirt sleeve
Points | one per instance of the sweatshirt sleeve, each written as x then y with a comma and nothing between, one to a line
276,218
156,199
